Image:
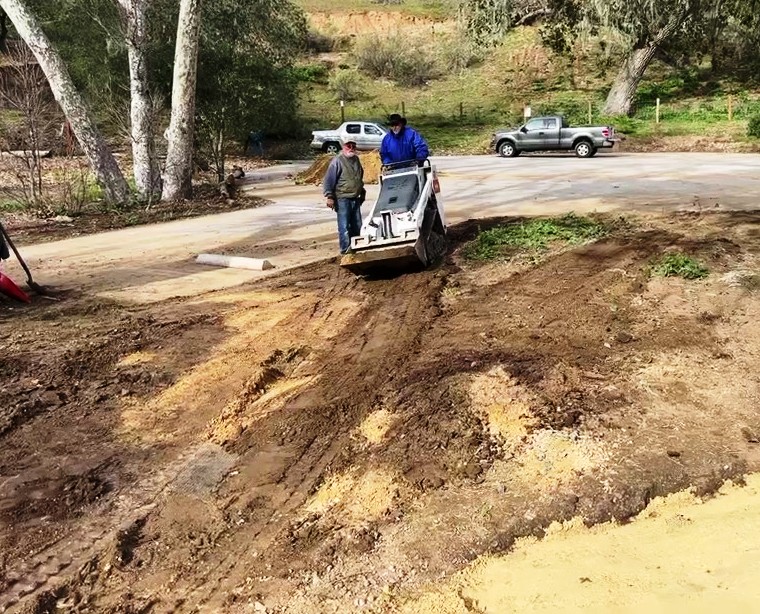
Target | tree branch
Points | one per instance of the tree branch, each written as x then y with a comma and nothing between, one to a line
531,17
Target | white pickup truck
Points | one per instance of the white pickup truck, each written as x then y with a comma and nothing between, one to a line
368,136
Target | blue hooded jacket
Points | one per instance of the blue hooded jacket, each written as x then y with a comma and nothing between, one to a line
406,145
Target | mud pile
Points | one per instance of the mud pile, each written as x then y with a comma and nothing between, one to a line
316,172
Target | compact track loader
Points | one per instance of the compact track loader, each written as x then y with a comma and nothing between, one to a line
406,227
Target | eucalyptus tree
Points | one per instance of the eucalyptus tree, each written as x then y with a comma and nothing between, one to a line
178,173
647,25
487,21
71,101
644,26
142,128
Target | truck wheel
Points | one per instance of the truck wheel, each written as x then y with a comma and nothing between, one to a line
507,149
331,148
584,149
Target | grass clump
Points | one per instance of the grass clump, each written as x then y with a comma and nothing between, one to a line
534,235
753,127
680,265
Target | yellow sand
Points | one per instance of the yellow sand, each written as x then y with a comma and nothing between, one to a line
356,499
376,426
679,555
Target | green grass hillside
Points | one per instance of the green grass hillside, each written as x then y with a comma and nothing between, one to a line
458,95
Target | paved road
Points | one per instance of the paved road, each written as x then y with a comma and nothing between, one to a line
155,262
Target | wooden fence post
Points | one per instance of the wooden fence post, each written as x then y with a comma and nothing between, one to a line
730,107
657,112
590,113
461,110
403,109
342,111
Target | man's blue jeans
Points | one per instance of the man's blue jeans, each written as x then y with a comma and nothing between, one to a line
349,221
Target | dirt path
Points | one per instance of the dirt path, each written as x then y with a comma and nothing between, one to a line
315,442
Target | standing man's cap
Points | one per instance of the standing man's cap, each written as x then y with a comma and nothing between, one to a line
396,120
347,140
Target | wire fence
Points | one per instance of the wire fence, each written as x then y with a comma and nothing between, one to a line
576,109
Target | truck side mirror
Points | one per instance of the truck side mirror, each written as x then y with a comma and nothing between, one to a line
523,129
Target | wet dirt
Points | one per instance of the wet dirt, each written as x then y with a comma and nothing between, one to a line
317,442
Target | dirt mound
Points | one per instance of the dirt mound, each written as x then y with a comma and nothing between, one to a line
316,172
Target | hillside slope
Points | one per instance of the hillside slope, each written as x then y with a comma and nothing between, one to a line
472,91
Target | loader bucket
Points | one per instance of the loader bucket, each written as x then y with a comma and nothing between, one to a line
382,259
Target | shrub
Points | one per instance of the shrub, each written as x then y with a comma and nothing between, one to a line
377,56
457,53
318,42
417,68
311,73
621,123
680,265
753,129
405,59
347,85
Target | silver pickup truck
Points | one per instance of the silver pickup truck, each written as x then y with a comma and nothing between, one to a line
367,135
552,134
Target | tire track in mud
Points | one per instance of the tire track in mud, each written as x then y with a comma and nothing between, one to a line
389,306
47,570
54,565
362,364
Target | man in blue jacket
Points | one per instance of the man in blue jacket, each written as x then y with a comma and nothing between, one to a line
402,143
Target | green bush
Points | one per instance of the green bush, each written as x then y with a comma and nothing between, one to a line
408,60
753,128
311,73
622,123
347,85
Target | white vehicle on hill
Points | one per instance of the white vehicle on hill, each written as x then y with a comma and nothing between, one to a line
368,136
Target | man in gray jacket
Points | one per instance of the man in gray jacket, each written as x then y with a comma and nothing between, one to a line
344,190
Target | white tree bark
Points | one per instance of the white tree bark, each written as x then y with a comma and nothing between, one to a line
72,103
178,173
142,125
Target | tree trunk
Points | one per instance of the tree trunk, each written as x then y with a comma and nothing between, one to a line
623,92
146,171
178,174
72,103
3,31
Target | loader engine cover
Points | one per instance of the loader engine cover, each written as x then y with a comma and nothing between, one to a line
405,227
